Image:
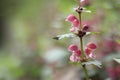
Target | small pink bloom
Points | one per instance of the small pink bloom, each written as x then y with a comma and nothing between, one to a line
72,29
70,18
77,53
72,48
74,58
91,45
75,23
88,51
91,55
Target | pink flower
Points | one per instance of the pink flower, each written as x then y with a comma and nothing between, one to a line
88,51
91,45
77,53
72,29
91,55
74,58
70,18
75,23
72,48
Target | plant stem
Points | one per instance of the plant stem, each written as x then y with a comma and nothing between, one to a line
85,71
80,20
81,45
83,55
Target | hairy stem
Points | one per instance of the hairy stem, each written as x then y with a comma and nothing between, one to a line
80,20
81,45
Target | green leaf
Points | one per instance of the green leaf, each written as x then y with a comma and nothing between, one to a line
89,33
95,62
69,35
117,60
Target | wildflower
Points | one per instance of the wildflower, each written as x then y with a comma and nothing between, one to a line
70,18
72,48
77,53
91,45
88,51
74,21
74,58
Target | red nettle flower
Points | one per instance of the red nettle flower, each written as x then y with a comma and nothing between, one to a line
70,18
91,45
77,53
88,51
72,48
75,22
74,58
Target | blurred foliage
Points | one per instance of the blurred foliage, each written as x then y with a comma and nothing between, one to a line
28,26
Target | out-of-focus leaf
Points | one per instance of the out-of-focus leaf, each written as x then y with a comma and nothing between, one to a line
69,35
89,33
95,62
87,11
117,60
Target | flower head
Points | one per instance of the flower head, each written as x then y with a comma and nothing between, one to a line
74,22
91,45
74,58
72,48
70,18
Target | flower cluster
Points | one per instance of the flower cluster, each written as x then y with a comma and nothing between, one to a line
75,24
75,28
76,53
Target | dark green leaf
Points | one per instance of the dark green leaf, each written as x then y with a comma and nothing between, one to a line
89,33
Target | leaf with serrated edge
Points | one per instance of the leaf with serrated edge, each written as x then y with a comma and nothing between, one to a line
69,35
95,62
117,60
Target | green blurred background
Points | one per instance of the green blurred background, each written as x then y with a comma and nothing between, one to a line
27,50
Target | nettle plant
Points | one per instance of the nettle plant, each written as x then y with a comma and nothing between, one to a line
83,56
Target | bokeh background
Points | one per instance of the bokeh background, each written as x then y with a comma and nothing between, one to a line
28,52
